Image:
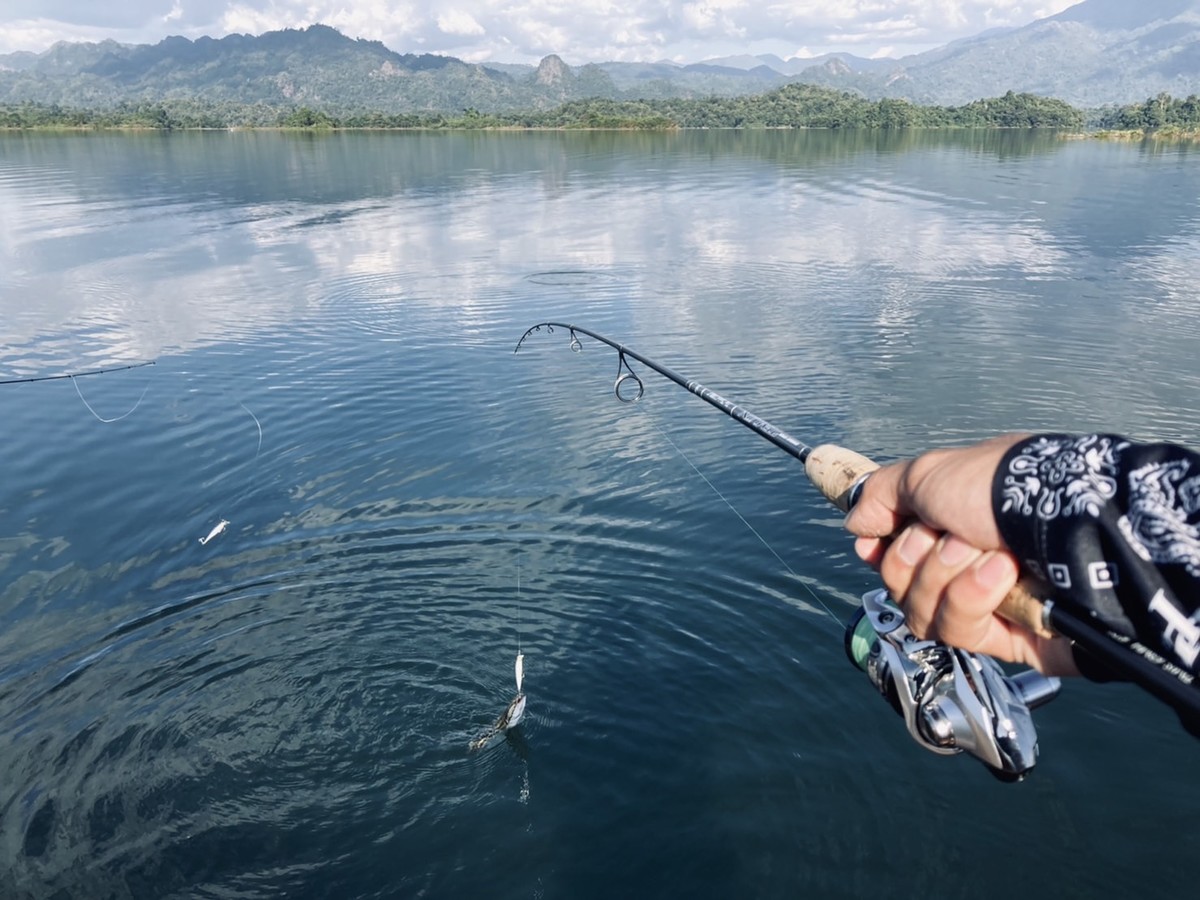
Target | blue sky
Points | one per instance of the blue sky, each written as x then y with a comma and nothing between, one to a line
579,31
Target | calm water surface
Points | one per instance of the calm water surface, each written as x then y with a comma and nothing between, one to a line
285,710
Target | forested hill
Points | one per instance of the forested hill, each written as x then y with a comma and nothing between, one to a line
316,67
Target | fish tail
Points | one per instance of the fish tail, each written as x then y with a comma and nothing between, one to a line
482,741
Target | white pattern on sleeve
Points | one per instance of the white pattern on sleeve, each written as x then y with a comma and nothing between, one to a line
1054,477
1155,525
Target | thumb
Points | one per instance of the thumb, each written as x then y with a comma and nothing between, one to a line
879,511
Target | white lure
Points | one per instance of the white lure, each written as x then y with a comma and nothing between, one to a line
217,529
519,668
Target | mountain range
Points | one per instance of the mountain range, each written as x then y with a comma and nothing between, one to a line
1095,53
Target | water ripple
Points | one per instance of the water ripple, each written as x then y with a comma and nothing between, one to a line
286,709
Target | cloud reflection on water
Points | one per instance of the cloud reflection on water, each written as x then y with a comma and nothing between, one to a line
135,247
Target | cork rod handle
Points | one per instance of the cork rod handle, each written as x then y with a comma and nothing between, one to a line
835,471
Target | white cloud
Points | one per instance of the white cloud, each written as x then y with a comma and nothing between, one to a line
456,21
709,16
394,23
241,18
39,34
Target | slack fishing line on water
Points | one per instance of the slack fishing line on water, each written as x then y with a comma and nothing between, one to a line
74,378
952,701
513,713
221,524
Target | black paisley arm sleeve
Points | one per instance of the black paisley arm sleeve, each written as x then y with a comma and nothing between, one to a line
1112,528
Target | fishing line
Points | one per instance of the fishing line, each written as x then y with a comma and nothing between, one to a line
74,376
512,716
951,699
75,381
745,522
224,523
258,424
519,665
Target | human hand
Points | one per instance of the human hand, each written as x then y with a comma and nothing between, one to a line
927,526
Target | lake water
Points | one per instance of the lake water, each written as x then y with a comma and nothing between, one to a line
285,710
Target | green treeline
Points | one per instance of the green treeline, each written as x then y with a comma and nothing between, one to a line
168,115
808,106
792,106
1162,111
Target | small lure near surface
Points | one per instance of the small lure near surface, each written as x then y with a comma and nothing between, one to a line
519,669
217,529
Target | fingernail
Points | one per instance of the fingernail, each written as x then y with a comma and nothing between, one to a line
865,547
953,551
994,570
915,544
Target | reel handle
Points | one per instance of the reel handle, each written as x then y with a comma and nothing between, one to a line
836,472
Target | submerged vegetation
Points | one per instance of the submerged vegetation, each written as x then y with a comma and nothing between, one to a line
792,106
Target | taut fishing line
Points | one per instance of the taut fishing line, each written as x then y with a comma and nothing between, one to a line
824,606
511,717
951,700
520,666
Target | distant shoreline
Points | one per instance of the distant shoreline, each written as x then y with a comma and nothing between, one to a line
795,106
792,106
1167,135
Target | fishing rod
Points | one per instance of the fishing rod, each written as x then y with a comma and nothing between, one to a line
836,472
969,702
77,374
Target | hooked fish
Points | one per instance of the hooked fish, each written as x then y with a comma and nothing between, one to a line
217,529
510,718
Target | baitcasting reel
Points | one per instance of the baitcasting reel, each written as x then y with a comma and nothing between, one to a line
951,700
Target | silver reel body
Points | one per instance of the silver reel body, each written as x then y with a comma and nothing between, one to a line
952,701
